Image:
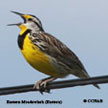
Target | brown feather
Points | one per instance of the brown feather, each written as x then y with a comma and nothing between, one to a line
57,49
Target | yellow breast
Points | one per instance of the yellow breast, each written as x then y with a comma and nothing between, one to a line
37,58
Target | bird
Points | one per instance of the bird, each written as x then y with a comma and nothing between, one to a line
46,53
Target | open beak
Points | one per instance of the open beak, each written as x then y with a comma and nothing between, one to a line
17,13
21,15
18,24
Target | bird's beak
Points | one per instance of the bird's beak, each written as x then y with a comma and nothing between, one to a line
18,24
21,15
17,13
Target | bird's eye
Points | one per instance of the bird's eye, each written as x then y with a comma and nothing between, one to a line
30,19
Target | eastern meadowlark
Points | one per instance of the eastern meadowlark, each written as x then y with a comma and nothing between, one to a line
46,53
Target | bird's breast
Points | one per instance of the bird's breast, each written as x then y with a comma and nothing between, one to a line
21,38
37,58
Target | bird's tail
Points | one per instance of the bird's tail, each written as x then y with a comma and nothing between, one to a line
85,75
96,86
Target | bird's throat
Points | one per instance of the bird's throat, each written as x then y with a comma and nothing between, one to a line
23,29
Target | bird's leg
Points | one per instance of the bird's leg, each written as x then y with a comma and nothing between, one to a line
41,84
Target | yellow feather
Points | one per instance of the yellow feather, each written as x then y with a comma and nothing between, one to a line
37,59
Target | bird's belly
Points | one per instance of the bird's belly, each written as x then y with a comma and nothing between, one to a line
38,59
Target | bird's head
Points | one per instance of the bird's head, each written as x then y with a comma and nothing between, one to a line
31,22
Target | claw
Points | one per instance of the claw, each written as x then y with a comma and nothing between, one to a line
37,85
41,85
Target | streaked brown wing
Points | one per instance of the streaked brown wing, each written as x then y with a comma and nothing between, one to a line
55,48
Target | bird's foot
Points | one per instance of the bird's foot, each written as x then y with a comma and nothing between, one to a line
41,85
